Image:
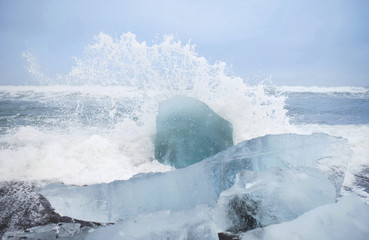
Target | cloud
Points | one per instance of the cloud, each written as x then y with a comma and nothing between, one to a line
284,38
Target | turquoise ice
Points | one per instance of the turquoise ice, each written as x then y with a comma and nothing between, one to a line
188,131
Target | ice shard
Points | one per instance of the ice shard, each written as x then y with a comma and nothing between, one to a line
259,199
346,219
195,224
188,131
200,183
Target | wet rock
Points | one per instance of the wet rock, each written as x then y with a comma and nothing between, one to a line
21,209
362,179
228,236
241,213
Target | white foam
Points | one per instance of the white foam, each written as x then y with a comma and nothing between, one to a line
319,89
75,157
60,91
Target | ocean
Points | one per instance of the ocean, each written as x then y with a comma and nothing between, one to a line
97,123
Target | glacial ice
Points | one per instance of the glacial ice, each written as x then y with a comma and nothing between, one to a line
326,153
195,224
201,183
188,131
346,219
259,199
66,231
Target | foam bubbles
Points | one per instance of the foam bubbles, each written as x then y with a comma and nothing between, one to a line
77,157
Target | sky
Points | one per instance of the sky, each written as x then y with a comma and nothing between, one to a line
322,43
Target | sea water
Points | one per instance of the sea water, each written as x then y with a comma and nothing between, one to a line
96,123
338,111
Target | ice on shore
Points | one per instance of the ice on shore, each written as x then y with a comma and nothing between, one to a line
259,199
188,131
201,183
346,219
195,224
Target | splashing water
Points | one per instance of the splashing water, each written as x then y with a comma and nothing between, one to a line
97,122
166,69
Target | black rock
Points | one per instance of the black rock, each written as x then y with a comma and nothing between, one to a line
22,208
228,236
362,179
241,211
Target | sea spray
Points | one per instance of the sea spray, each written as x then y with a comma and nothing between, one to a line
169,68
97,122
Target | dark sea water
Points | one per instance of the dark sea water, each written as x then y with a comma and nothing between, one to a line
332,108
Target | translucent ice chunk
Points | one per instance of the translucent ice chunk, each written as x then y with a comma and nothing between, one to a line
321,151
188,131
67,231
202,182
346,219
195,224
259,199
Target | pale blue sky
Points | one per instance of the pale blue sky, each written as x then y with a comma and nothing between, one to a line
296,42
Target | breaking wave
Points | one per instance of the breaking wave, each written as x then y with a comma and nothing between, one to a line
96,123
